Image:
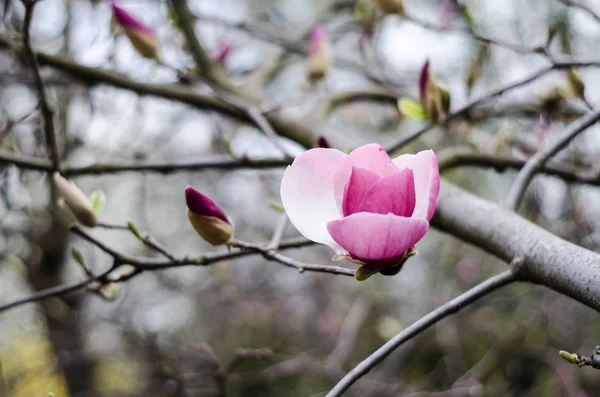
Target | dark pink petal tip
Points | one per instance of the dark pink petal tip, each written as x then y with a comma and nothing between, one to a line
322,142
223,52
317,35
202,205
127,20
423,77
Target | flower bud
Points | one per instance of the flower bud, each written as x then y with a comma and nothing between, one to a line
222,53
391,6
207,218
576,84
435,98
322,142
110,292
570,357
141,36
319,54
76,201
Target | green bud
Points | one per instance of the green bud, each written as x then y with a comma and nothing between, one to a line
572,358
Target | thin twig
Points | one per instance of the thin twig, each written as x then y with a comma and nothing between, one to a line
140,265
451,158
269,254
471,104
278,233
49,130
582,7
479,291
536,161
349,331
54,291
217,80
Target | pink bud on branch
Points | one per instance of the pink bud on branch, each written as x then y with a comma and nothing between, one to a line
207,218
141,36
319,54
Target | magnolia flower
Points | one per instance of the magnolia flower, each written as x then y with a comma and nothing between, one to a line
207,218
141,36
368,208
319,54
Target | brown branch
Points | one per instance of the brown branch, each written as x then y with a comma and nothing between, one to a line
301,267
461,157
48,116
517,190
298,132
456,304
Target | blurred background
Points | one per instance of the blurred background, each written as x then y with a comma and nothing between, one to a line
249,327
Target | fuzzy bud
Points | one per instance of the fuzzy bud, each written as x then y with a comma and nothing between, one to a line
434,97
319,54
322,142
76,201
576,84
391,6
207,218
141,36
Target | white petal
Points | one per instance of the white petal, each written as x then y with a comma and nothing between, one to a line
427,180
308,196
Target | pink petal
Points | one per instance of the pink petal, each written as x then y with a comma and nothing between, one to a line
372,157
427,181
377,239
317,37
394,193
361,180
423,78
307,194
202,205
128,21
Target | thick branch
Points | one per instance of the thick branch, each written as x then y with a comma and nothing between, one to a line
547,259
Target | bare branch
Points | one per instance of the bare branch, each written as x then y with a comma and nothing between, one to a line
269,254
49,130
475,293
526,174
449,159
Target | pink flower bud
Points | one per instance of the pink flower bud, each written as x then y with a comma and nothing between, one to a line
207,218
368,208
319,54
322,142
435,99
77,202
141,36
223,52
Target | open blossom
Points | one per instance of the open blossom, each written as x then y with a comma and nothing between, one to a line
364,205
207,218
141,36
